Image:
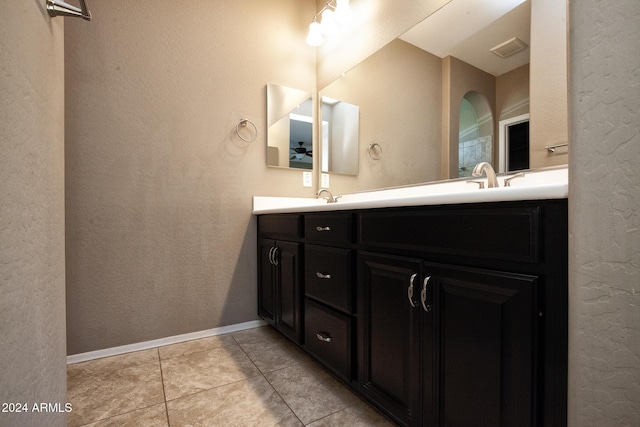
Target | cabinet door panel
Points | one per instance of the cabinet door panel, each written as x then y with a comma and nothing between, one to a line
266,284
389,335
289,298
485,353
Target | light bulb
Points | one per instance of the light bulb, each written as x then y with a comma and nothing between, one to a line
328,25
314,38
343,12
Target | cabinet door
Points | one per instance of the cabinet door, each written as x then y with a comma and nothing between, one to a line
287,258
485,351
388,335
266,281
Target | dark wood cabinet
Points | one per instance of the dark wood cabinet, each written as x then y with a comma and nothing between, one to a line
465,338
438,315
279,292
389,335
481,285
329,288
329,338
329,276
267,281
483,330
280,274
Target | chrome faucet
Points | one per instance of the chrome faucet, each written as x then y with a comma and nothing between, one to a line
330,198
491,174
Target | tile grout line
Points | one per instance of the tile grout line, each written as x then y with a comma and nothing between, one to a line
268,382
164,393
100,372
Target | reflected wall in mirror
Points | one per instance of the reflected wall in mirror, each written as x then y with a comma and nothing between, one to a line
290,127
398,90
410,97
339,133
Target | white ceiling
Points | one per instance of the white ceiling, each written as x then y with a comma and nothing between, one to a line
468,29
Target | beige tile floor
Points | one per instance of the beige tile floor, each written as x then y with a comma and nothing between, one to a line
249,378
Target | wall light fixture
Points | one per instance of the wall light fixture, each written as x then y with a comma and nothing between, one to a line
331,17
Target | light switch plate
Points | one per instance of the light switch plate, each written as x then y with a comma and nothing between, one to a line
307,180
324,180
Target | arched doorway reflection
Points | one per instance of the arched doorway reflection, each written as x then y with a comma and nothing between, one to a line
475,139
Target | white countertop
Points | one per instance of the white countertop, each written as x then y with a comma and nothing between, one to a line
549,183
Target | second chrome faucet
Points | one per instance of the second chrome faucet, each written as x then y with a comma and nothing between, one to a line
485,167
492,180
330,198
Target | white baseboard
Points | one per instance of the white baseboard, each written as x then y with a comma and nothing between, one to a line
113,351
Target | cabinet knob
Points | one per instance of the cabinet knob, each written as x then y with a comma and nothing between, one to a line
320,229
322,276
323,336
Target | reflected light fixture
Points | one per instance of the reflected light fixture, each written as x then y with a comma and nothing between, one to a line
331,17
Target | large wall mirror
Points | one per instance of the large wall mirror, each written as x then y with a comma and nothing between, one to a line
470,59
290,127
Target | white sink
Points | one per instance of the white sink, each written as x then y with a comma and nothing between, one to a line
550,183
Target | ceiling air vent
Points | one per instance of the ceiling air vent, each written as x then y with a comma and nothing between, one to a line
509,47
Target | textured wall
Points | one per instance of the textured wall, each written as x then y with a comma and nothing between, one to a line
32,322
604,202
160,238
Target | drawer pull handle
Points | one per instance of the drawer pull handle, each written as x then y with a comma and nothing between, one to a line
410,289
323,336
322,276
423,295
320,229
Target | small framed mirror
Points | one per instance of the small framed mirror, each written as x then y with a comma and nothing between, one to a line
289,127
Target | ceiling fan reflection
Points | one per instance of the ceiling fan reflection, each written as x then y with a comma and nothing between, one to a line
300,152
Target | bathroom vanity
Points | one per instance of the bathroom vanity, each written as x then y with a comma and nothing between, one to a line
447,314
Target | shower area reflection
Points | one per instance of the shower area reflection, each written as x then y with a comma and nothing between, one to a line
475,139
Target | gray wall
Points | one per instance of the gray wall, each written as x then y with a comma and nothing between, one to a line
32,306
604,203
160,237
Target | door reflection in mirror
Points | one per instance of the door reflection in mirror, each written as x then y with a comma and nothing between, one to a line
514,143
340,132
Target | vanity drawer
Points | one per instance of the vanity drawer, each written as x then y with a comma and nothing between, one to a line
329,276
335,228
502,233
328,337
280,225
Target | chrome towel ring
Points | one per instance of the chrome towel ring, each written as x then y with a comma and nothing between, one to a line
243,123
375,151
